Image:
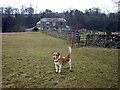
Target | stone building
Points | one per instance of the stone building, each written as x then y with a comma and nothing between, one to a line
53,24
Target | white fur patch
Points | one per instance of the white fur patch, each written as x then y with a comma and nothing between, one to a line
69,50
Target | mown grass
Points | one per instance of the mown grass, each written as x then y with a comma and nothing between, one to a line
27,63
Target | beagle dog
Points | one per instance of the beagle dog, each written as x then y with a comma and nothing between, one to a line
58,60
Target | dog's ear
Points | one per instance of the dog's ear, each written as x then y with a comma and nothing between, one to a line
52,52
58,54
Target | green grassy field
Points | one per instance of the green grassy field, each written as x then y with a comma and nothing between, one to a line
27,63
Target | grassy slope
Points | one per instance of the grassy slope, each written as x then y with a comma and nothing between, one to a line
27,62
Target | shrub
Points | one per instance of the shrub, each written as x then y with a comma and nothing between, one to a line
108,32
35,29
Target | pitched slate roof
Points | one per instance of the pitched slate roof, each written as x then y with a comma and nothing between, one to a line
38,22
53,19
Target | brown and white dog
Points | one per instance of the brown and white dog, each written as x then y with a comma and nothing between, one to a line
58,60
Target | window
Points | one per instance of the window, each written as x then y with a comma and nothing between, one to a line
53,23
61,28
48,28
47,23
61,23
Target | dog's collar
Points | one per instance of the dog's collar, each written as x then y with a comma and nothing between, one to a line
57,59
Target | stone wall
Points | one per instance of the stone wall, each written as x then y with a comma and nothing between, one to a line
112,41
64,34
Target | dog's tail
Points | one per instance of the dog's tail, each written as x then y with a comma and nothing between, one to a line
69,52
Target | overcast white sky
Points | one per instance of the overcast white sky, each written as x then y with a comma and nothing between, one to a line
60,5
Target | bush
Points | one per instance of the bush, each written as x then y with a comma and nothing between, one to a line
108,32
35,29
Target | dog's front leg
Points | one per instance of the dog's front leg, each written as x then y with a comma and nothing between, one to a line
70,64
60,66
56,68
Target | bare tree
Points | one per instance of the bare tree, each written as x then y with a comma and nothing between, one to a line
1,10
116,4
15,11
23,9
36,9
8,10
29,10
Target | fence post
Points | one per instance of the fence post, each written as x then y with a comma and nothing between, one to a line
73,38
